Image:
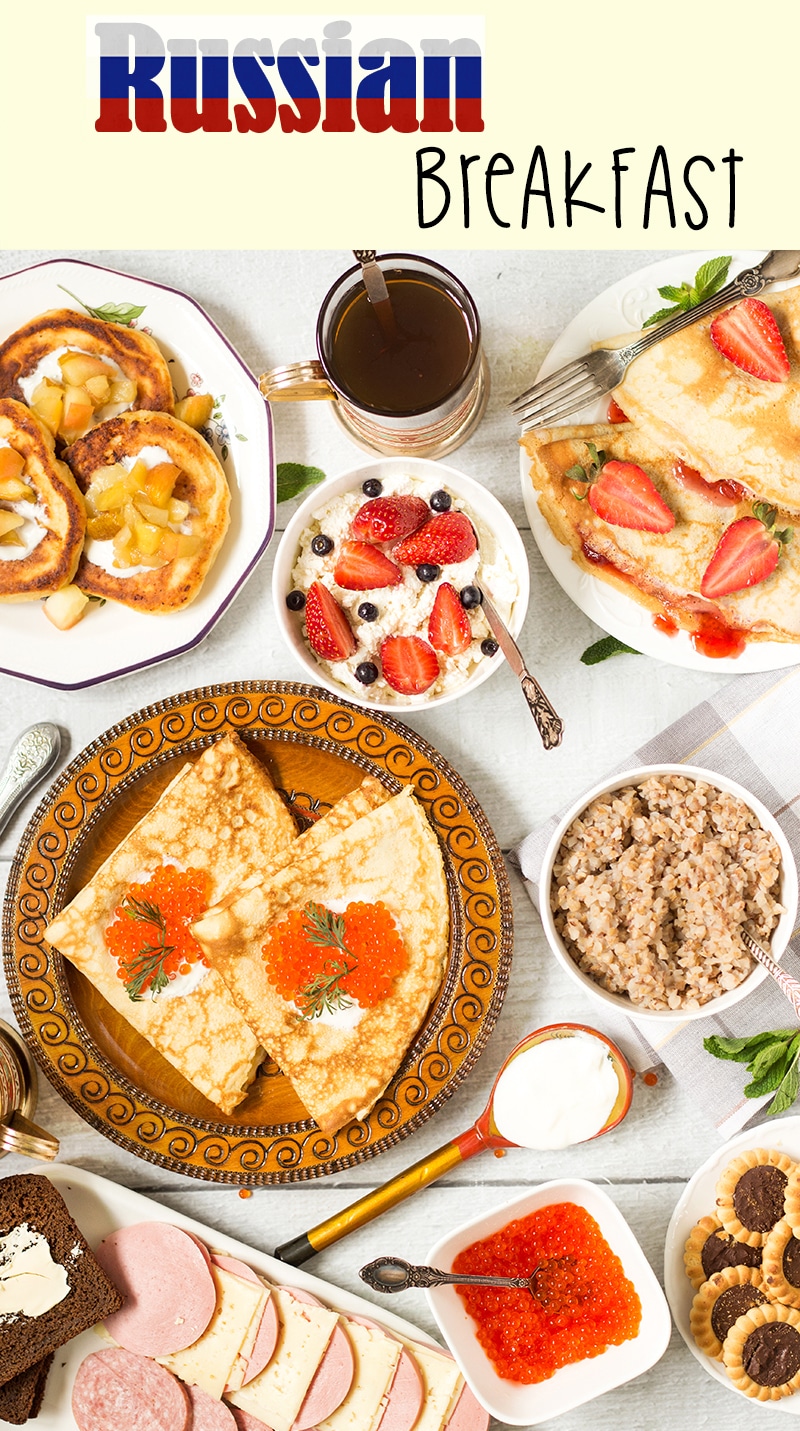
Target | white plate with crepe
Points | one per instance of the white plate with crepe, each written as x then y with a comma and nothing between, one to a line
114,640
696,1201
622,308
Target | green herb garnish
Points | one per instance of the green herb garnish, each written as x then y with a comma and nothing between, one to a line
587,474
122,313
602,650
708,280
323,993
146,967
294,477
772,1062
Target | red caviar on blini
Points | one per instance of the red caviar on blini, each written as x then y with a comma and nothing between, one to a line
149,936
323,962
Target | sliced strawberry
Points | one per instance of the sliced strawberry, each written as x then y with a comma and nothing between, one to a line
615,413
360,567
448,624
446,538
623,494
748,336
329,632
388,519
747,553
410,665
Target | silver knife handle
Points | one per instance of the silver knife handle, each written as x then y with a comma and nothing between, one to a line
549,725
30,758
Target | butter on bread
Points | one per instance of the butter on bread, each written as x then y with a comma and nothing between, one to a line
202,484
659,570
223,815
690,400
134,352
58,511
391,854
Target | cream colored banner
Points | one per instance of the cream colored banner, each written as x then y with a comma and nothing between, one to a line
604,127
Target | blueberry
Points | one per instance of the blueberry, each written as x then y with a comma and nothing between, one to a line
441,501
296,600
321,545
372,488
368,611
470,596
366,673
427,571
489,647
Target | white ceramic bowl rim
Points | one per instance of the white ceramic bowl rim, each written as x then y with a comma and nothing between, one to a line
475,494
780,937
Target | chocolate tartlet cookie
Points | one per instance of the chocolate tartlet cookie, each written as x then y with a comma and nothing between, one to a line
709,1249
781,1264
751,1194
762,1352
792,1205
720,1302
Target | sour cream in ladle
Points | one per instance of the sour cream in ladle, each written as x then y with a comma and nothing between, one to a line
557,1092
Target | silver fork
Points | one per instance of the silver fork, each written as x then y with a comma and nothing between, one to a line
585,379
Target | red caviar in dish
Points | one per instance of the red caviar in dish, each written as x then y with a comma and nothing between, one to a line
585,1303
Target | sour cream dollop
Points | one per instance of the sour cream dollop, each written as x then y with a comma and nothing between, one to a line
558,1092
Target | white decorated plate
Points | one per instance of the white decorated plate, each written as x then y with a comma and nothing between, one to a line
100,1207
113,640
696,1201
622,308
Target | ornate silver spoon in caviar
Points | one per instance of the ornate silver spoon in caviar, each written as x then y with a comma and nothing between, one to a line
394,1274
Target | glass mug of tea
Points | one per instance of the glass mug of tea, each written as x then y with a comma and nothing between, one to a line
18,1100
407,377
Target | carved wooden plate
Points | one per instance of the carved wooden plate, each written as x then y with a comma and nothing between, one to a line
316,749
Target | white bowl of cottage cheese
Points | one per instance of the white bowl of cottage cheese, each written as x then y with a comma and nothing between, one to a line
404,642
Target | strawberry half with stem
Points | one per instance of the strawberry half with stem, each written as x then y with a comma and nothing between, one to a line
449,537
389,519
329,632
748,336
448,624
410,666
621,493
362,567
747,553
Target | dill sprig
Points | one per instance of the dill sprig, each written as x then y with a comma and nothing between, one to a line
324,994
146,967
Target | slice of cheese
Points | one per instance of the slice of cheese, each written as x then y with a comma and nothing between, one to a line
239,1371
443,1383
209,1362
376,1357
277,1393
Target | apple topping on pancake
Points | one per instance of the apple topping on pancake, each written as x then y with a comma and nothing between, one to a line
157,501
42,516
76,371
667,571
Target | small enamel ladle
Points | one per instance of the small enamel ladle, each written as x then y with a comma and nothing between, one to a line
484,1134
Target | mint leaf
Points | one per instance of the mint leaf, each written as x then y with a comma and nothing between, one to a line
660,316
675,295
122,313
710,276
708,280
767,1056
602,650
294,477
741,1050
787,1091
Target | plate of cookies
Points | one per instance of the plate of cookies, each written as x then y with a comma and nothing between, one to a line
137,473
732,1264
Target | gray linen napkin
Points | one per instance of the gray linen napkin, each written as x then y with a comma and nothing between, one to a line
749,732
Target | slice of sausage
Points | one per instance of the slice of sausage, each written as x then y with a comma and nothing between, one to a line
269,1326
406,1395
116,1388
208,1414
168,1285
468,1414
245,1421
333,1377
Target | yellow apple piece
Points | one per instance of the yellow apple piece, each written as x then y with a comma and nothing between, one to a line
146,538
12,490
195,410
48,404
77,415
178,511
99,390
78,368
160,482
65,607
11,539
11,463
115,496
9,521
157,515
175,545
122,547
103,528
123,390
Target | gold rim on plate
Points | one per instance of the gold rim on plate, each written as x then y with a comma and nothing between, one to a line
316,748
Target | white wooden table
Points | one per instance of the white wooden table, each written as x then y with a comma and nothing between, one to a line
266,302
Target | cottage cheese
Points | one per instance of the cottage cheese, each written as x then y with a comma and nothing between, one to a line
404,610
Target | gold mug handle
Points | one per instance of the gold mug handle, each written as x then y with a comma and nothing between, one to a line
19,1135
297,382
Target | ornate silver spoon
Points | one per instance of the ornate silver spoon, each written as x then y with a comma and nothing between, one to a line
30,759
394,1274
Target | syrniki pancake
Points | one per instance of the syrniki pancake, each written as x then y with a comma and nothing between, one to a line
178,553
222,815
53,523
339,1064
698,406
663,571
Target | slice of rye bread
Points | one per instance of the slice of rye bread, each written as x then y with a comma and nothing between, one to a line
21,1398
31,1198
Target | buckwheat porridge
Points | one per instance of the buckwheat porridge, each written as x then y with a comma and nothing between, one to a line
652,885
